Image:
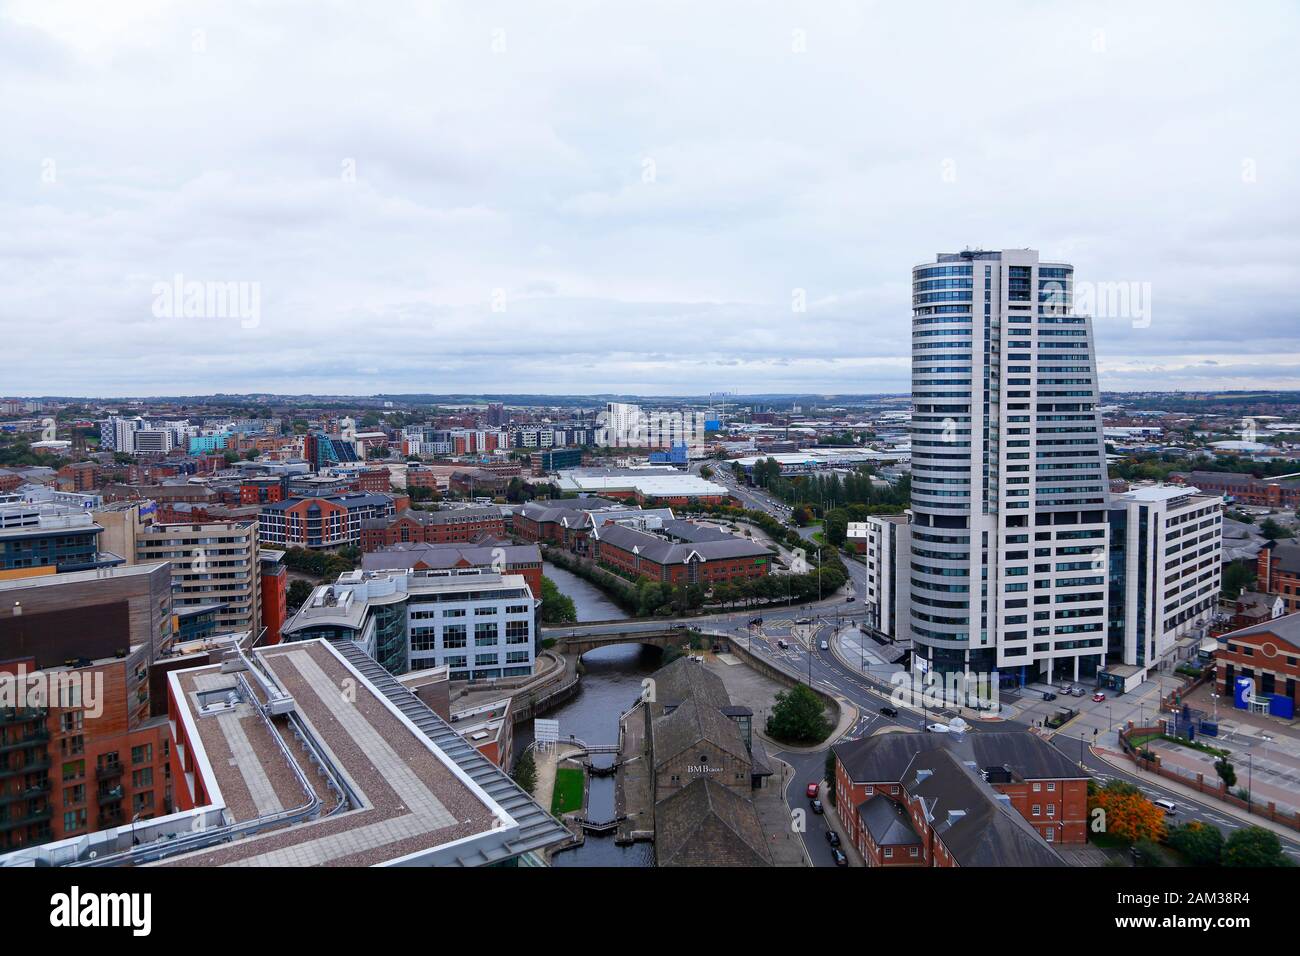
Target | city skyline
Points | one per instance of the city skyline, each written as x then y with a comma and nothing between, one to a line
568,202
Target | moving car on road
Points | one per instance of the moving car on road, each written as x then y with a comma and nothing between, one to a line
889,711
1099,697
937,728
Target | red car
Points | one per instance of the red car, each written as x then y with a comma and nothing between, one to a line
1099,697
812,791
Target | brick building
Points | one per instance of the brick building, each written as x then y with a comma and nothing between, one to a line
1277,571
707,561
489,554
81,476
1245,489
273,582
1267,653
977,799
432,527
95,756
323,522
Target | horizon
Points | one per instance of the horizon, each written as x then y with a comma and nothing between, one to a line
712,199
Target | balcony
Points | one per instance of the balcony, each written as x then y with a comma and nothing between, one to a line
32,766
35,738
110,795
21,715
108,771
26,794
27,818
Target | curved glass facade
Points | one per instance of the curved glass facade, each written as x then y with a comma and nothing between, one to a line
1007,461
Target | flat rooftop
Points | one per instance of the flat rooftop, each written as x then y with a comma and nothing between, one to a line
411,803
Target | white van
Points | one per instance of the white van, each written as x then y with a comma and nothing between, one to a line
1168,806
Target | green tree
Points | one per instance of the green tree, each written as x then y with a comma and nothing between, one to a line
1199,843
798,717
298,593
1237,576
1254,846
1272,530
557,607
525,772
1227,773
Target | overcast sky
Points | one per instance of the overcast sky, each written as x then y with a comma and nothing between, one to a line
632,197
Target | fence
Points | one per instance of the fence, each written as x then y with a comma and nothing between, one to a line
1218,790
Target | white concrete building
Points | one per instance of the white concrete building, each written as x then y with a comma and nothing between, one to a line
888,554
1166,558
1009,489
213,563
477,624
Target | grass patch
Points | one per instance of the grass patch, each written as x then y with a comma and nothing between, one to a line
1142,740
567,795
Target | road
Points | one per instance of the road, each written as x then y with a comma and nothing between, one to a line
868,692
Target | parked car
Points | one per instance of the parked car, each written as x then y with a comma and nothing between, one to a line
832,838
1077,691
937,728
817,807
812,790
783,645
838,855
1048,695
889,711
1099,697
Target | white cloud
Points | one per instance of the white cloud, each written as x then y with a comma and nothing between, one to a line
387,177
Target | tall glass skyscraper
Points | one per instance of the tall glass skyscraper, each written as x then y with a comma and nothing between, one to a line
1009,489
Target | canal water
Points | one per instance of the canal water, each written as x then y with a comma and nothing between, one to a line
611,683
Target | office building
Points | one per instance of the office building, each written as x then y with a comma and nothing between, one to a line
210,563
374,777
49,538
1166,558
888,552
1009,493
328,521
476,623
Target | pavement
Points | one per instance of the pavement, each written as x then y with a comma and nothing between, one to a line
1106,764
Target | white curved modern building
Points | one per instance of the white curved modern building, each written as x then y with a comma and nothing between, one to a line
1009,491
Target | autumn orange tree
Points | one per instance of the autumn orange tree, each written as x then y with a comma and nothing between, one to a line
1128,815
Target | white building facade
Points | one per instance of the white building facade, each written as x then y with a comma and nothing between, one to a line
1166,559
1009,492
